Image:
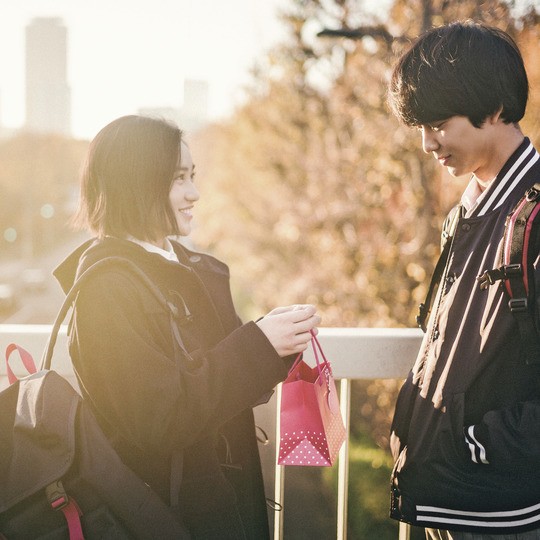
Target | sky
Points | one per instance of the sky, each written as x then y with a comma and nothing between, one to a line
127,54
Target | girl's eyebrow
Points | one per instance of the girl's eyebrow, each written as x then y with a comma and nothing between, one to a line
184,169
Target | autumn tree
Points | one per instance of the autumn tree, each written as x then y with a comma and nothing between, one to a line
314,192
327,199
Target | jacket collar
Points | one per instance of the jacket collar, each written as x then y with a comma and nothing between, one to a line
96,249
511,179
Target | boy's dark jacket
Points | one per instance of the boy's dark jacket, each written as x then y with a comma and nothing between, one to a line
154,403
466,430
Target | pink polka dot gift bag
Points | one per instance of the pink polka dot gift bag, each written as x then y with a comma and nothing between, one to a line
311,426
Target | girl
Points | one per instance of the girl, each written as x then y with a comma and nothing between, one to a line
182,422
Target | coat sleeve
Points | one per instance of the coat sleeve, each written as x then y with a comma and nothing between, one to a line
151,397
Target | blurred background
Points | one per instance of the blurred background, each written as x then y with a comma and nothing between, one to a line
311,190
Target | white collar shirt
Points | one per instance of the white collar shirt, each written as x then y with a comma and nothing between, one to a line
168,253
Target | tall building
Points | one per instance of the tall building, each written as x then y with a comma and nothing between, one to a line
193,115
194,112
48,98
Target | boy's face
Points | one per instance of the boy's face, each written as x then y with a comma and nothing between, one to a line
460,147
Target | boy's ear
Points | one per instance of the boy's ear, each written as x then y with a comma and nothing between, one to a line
495,117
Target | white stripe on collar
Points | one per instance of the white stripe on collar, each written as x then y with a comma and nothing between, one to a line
528,153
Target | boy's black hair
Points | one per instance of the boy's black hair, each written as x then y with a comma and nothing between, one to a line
462,69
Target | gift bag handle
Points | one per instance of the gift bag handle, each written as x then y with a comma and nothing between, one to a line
315,341
315,345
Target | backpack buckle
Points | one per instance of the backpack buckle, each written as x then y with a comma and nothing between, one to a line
518,305
181,315
532,194
512,270
56,495
489,277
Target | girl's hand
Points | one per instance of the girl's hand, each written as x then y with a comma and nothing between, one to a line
288,328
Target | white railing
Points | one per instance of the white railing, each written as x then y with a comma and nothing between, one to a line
355,353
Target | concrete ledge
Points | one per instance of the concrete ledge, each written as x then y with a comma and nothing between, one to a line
355,353
369,353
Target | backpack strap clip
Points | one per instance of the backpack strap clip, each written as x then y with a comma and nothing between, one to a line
489,277
181,313
56,495
507,271
533,194
518,305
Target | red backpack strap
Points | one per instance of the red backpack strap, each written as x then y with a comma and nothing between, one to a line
59,500
26,359
516,243
514,270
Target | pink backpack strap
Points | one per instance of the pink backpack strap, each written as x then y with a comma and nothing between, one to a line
59,500
26,358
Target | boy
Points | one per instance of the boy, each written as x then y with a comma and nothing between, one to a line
466,430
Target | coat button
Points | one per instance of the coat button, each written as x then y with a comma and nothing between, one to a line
195,258
466,227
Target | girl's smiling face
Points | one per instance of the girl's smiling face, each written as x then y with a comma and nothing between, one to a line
183,193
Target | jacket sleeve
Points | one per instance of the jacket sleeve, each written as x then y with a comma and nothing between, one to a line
152,398
507,438
510,437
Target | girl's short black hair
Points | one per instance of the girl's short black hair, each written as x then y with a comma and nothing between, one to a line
127,177
461,69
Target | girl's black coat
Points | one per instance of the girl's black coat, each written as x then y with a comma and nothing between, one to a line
155,403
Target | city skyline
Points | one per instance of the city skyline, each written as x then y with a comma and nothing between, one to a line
48,97
130,55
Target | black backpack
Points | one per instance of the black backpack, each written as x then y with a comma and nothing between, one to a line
59,475
515,269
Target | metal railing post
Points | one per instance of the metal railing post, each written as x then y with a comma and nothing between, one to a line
343,470
279,480
404,531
